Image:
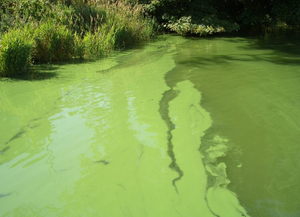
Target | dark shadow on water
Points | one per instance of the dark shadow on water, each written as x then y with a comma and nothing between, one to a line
33,75
279,47
44,71
283,46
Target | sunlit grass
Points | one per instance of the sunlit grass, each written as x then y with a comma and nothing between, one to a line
63,30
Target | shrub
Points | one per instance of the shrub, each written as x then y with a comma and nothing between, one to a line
185,26
15,49
53,42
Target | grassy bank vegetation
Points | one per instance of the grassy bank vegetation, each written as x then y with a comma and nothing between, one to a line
43,31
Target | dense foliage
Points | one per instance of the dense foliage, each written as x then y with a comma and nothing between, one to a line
43,31
204,17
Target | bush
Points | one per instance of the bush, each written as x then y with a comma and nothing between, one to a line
185,26
53,42
15,49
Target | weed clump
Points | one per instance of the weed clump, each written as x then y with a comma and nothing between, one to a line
15,53
53,43
36,31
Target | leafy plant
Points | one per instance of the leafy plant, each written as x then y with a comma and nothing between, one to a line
185,26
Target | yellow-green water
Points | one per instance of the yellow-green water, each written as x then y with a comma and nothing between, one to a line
181,127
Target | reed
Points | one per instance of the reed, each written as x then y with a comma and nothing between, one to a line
65,29
53,42
15,53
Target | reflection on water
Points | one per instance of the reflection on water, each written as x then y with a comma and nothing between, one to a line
182,127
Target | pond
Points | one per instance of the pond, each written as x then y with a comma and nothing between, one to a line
180,127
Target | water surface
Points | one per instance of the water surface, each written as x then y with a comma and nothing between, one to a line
181,127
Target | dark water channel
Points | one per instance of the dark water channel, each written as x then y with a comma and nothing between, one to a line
251,87
181,127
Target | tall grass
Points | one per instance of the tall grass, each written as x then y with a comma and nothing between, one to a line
100,42
53,42
61,30
129,21
15,53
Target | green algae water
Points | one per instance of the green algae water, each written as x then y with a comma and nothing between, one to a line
181,127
